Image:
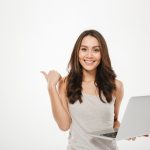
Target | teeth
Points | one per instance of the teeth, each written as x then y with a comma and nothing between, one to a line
89,61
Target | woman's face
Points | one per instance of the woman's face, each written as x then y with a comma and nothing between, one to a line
89,53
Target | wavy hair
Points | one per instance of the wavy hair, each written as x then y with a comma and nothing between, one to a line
105,76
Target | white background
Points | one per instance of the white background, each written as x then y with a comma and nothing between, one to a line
39,35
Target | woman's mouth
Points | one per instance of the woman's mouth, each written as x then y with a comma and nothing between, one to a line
89,62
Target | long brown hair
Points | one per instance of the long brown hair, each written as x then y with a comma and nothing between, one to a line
105,76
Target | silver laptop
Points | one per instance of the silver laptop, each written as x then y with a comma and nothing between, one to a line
135,122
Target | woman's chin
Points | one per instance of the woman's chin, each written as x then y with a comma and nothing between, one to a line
90,69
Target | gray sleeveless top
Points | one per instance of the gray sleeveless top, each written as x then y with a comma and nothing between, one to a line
89,116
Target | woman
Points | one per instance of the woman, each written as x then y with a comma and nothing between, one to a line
89,97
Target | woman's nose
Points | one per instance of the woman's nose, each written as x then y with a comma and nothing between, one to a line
89,54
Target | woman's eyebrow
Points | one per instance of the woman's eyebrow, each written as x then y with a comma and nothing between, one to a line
96,46
84,46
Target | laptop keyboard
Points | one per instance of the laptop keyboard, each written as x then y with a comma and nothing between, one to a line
112,134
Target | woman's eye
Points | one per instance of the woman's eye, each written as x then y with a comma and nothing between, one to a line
96,50
83,49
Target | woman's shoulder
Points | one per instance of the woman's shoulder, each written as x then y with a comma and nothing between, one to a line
119,84
119,88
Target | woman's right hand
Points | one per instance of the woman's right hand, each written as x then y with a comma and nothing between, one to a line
52,77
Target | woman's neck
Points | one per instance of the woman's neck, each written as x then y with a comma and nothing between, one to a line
88,76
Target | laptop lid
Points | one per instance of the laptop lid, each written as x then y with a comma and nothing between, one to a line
135,122
136,119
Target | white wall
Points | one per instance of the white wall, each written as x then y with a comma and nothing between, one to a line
39,35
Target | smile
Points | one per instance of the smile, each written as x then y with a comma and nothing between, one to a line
89,62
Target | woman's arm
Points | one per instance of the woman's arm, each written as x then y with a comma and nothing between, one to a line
58,100
119,92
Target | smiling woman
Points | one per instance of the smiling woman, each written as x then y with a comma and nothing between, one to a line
89,53
89,97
